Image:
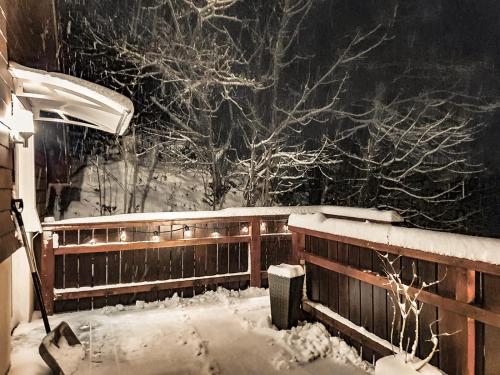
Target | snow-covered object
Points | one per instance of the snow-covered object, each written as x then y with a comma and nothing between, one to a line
68,357
395,365
468,247
286,270
73,99
346,322
347,212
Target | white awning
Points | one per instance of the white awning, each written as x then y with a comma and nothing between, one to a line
57,97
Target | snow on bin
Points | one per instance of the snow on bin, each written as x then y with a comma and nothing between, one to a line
285,290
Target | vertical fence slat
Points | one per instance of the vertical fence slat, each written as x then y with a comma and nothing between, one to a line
466,292
255,254
427,272
491,300
47,272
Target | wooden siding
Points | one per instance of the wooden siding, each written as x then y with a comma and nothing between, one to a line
7,238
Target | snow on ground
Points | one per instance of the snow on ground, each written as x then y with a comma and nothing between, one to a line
458,245
223,332
170,189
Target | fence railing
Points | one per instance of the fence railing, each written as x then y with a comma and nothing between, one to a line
346,275
90,264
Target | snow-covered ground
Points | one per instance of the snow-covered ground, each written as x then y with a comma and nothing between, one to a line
219,332
170,189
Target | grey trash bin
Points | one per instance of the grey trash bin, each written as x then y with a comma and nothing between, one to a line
285,291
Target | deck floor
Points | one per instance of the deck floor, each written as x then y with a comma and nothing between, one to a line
216,333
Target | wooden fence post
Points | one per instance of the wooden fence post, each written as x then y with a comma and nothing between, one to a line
466,292
255,254
298,246
47,271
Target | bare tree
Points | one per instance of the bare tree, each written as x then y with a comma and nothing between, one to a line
182,64
413,155
404,298
281,148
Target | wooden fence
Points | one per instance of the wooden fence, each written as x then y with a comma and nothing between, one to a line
90,265
346,275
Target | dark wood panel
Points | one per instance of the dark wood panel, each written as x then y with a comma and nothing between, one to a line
380,313
5,157
450,322
85,262
234,263
5,178
200,269
491,300
343,258
366,297
131,289
9,245
6,224
427,272
4,133
188,265
99,277
243,248
138,245
449,304
333,278
324,288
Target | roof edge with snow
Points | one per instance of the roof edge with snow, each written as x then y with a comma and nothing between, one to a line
61,98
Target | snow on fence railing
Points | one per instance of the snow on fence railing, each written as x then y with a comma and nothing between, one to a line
344,263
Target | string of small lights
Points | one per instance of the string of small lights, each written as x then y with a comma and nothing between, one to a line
188,231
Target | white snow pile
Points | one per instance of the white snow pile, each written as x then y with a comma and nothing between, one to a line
220,296
469,247
332,314
219,332
311,341
286,270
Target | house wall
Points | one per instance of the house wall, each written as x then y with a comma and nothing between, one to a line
27,36
7,240
5,312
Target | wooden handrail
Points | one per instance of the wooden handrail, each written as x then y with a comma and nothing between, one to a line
479,266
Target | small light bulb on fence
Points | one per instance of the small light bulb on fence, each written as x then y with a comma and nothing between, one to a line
187,232
156,237
215,234
244,229
123,236
263,227
92,241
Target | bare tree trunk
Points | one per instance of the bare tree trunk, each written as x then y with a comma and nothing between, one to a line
135,165
152,168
